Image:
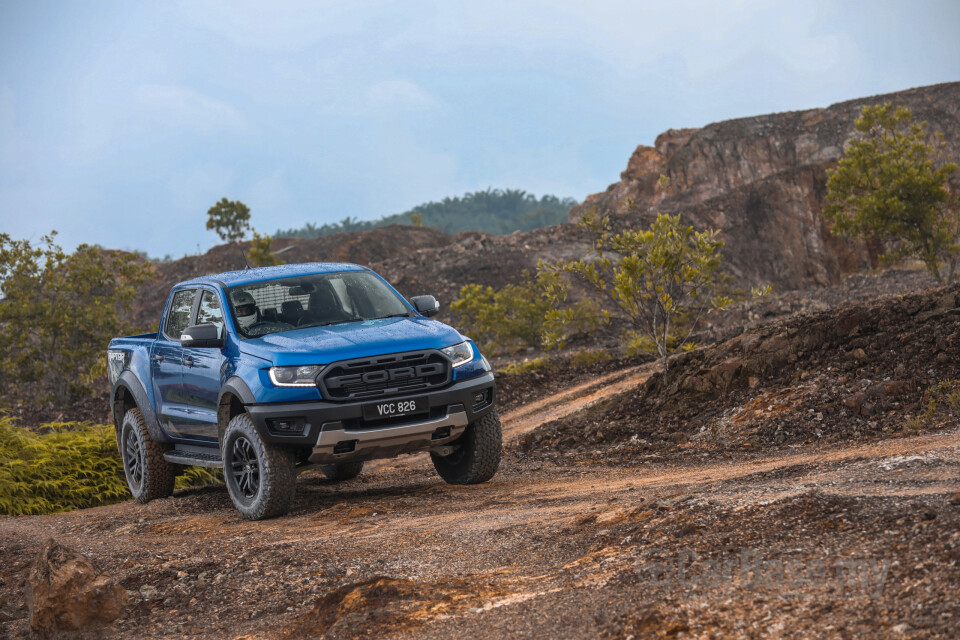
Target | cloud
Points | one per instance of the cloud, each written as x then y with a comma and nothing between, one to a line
11,140
196,187
270,200
287,26
176,107
98,121
6,109
400,94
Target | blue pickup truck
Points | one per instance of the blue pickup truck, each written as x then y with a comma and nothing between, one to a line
267,372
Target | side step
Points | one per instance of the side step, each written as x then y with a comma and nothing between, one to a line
195,457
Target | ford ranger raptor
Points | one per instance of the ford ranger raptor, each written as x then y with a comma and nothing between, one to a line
267,372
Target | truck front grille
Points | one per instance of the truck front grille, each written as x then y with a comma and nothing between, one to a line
384,376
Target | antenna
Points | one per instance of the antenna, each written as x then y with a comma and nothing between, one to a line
243,255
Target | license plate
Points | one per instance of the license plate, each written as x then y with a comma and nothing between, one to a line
394,408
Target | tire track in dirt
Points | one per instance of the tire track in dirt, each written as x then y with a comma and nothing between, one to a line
530,416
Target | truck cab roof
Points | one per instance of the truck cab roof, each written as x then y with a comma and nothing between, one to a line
259,274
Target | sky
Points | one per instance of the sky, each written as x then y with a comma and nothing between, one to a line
121,123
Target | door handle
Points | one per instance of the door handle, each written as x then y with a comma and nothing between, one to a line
188,361
158,357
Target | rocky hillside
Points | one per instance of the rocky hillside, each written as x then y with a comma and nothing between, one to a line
761,181
857,371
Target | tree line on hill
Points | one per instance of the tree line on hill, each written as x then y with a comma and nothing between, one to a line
494,211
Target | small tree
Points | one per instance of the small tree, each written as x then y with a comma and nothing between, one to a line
654,278
58,313
260,254
416,219
230,219
892,183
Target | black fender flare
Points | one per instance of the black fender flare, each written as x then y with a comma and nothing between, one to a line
238,388
129,381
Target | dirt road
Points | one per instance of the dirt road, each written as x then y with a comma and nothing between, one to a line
854,541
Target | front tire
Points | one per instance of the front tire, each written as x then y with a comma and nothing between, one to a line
149,475
478,456
342,471
260,477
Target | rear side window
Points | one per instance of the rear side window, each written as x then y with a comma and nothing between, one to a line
179,315
209,311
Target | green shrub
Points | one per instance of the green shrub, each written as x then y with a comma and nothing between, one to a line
72,466
199,477
893,184
58,312
526,367
505,320
586,357
660,280
521,315
260,254
942,401
638,344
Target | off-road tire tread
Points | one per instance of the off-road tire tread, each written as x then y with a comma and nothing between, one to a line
481,447
159,475
342,471
278,474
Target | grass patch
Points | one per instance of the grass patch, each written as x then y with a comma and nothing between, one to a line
70,466
526,367
587,357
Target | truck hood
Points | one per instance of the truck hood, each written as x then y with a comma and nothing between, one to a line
323,345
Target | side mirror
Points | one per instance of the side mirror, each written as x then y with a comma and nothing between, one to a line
202,336
426,305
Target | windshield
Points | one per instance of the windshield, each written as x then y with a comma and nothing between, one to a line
312,301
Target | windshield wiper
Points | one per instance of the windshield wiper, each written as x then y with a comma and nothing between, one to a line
327,324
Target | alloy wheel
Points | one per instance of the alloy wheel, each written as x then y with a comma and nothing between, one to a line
245,467
133,460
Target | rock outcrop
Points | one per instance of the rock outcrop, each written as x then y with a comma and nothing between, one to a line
66,591
762,182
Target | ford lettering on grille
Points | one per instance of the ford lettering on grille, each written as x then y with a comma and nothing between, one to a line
383,376
376,377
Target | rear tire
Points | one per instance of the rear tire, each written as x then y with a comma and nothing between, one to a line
478,456
261,478
149,475
342,471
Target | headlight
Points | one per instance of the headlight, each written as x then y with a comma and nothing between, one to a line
459,353
303,376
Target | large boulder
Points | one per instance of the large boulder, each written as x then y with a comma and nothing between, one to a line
66,591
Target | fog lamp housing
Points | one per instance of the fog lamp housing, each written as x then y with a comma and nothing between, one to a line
286,426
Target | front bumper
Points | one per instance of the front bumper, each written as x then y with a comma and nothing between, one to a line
338,444
329,424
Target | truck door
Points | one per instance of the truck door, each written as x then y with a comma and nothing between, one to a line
202,375
167,362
